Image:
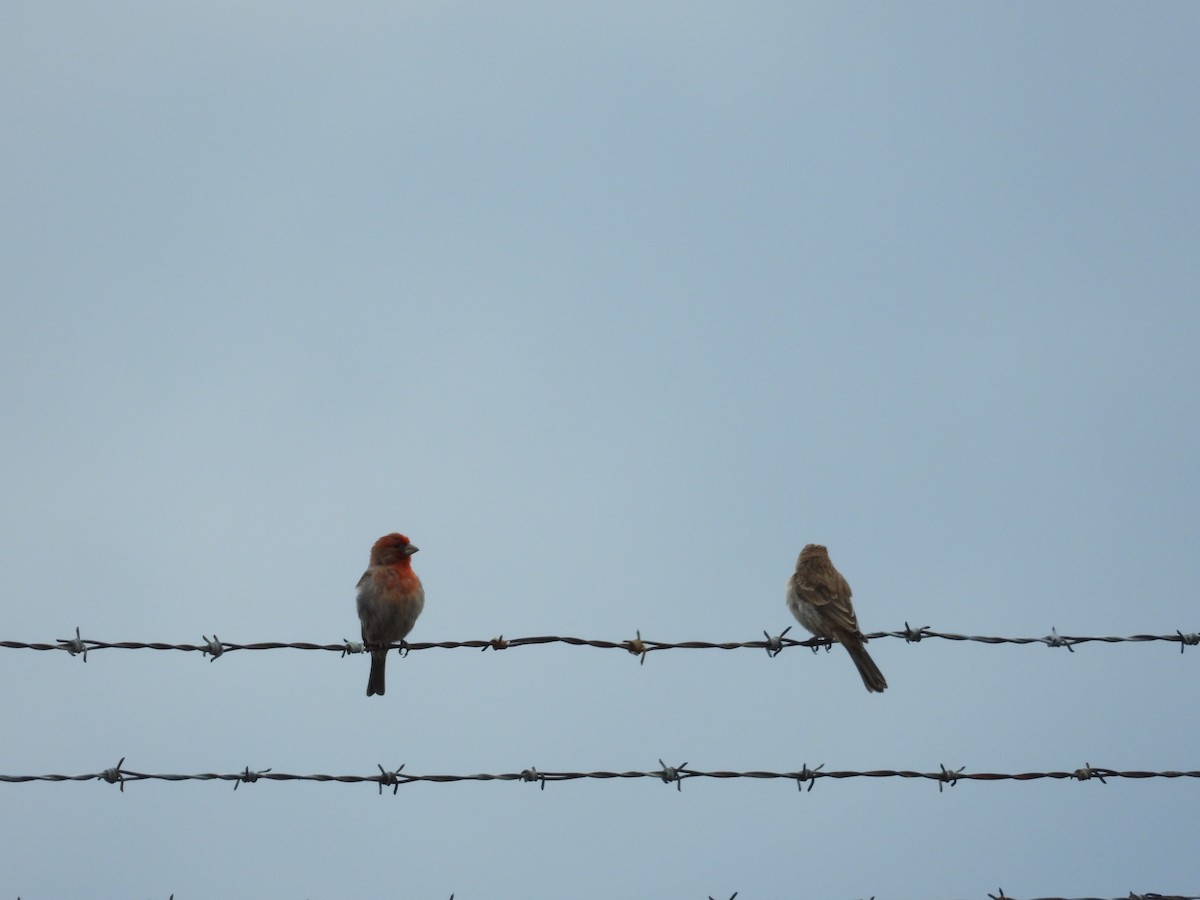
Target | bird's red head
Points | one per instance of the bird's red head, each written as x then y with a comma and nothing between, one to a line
391,549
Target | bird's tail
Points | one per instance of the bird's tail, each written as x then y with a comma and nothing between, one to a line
871,676
375,680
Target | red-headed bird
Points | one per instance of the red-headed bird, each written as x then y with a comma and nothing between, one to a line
819,597
390,598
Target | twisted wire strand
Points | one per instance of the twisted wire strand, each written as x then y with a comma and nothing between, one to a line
1132,895
667,774
639,646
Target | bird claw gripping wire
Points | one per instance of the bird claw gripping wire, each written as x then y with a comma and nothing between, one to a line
213,647
809,775
1187,640
914,635
1087,773
816,643
1053,639
775,644
114,775
389,779
248,777
638,648
496,643
672,773
532,774
351,647
74,645
949,776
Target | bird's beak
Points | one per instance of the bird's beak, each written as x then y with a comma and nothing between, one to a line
411,549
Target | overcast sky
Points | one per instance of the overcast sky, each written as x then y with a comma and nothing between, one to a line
611,308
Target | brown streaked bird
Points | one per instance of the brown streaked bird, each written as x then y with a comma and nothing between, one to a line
819,598
390,597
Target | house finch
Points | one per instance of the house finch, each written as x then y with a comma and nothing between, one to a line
819,598
390,598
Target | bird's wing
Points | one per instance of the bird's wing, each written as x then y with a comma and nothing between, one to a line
833,603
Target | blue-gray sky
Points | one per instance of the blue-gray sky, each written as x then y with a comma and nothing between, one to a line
611,308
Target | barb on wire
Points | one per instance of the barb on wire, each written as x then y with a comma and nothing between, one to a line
213,647
73,645
775,644
638,646
113,775
673,773
389,779
1054,640
809,775
666,774
248,777
948,776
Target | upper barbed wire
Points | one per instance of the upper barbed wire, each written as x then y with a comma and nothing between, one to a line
639,646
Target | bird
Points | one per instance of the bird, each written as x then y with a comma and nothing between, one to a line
819,598
390,597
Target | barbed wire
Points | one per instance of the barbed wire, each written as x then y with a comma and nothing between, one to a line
639,646
1132,895
395,778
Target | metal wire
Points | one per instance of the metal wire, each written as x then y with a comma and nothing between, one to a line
395,778
773,645
1003,896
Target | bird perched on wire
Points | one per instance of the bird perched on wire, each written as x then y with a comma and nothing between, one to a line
819,598
390,597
